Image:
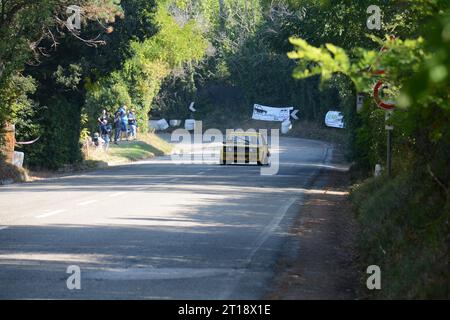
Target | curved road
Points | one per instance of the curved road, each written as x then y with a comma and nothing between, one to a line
155,229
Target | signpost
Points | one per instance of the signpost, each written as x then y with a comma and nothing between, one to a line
388,106
359,102
389,129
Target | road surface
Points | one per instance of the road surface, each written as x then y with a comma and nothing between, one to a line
154,229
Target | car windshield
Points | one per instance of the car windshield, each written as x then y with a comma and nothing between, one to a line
242,139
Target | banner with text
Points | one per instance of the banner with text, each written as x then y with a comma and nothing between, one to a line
334,119
270,113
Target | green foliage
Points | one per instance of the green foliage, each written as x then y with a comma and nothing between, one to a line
150,61
244,66
403,219
14,96
41,94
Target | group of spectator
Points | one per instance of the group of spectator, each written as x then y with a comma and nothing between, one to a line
123,124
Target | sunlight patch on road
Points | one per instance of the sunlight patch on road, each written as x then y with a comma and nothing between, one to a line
51,213
323,191
53,257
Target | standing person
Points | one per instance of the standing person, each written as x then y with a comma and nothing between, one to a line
106,132
132,124
104,116
123,121
117,127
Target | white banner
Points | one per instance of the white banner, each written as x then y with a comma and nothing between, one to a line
271,114
334,119
158,124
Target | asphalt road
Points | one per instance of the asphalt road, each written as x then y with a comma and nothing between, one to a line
155,229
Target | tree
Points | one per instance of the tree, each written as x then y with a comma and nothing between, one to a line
150,61
408,214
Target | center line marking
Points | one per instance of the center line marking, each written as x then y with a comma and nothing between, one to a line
51,213
84,203
115,194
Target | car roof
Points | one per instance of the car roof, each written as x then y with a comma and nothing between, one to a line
243,133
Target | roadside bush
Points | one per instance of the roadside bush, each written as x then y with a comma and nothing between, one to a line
404,230
59,142
11,172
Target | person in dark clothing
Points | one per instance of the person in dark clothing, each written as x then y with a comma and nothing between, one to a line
132,124
104,116
117,127
123,121
106,133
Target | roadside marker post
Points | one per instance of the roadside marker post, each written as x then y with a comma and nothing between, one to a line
389,129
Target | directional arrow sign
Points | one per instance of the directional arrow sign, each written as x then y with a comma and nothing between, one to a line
293,114
191,107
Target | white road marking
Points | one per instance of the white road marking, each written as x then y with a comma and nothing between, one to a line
3,228
173,180
51,213
259,241
116,194
85,203
268,230
156,273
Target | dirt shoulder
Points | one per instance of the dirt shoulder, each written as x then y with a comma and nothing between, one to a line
125,152
319,260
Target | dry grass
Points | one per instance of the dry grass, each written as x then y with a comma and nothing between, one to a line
147,147
10,173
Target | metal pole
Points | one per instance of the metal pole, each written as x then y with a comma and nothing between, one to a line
389,129
389,153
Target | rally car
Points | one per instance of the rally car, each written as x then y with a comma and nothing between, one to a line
245,148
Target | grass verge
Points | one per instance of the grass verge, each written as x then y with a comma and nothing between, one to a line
404,230
147,147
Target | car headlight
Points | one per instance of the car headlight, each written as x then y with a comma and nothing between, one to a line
229,149
252,150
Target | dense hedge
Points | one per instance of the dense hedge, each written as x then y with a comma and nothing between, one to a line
404,230
59,121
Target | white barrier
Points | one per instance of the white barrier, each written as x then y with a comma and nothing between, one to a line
175,123
286,126
334,119
18,159
163,125
189,124
158,124
153,124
